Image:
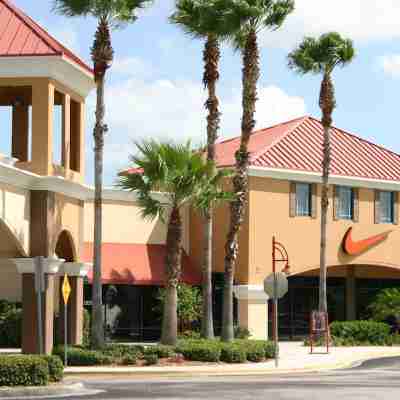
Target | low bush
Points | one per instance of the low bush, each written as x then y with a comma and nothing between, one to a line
242,333
130,359
360,333
200,350
78,356
150,359
255,350
233,354
160,350
56,368
119,351
24,370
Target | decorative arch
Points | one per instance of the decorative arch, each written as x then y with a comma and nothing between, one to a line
8,231
65,247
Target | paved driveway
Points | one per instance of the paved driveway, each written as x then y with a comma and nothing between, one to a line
373,380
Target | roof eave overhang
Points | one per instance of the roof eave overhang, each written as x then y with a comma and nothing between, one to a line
315,177
57,67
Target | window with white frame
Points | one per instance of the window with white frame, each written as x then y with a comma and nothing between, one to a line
345,202
386,204
303,199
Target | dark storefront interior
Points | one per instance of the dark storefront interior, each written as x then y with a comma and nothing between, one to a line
302,297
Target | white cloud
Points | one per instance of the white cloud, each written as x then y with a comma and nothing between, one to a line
132,66
67,34
391,64
174,110
361,20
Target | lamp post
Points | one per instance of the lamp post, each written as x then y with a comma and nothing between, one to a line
279,254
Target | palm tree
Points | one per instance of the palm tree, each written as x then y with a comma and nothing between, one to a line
255,15
210,21
185,179
109,14
321,56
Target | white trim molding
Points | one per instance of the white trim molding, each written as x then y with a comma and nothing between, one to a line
59,68
79,269
315,177
250,292
51,265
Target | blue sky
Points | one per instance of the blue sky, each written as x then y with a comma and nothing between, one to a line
154,88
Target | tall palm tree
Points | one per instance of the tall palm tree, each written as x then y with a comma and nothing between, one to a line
321,56
256,15
211,21
185,179
109,14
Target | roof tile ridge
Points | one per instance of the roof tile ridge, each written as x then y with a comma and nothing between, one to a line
356,136
301,120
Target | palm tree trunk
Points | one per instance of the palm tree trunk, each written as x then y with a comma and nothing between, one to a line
327,105
211,57
97,333
169,331
102,54
251,73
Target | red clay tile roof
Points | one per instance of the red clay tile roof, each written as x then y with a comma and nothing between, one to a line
21,36
137,264
297,145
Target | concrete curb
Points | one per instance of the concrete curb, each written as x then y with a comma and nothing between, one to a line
221,370
43,392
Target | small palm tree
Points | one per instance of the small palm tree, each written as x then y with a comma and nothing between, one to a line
109,13
183,176
321,56
387,305
254,15
209,20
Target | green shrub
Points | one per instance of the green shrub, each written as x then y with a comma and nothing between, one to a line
201,350
10,324
129,359
78,356
56,368
23,370
160,350
394,340
233,354
242,333
121,350
150,359
255,351
360,332
190,334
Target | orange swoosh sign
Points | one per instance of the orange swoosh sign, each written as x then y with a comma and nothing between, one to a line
354,248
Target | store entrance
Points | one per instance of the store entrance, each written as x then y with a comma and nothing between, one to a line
301,299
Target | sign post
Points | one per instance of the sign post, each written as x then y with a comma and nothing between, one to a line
66,291
40,286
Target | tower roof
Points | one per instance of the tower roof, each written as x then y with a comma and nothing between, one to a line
20,36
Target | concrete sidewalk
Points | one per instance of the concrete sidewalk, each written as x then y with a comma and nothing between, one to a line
294,357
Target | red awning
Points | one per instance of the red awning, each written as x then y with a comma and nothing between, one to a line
137,264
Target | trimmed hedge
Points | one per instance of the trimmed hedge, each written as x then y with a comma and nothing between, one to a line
360,333
150,359
200,350
56,368
233,354
78,356
10,324
162,351
24,370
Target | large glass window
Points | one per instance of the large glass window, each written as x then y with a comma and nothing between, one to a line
303,199
386,203
345,202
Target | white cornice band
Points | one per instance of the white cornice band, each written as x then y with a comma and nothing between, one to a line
59,68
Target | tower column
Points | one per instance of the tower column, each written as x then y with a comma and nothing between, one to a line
20,132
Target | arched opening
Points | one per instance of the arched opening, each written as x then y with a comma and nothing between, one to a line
10,279
65,247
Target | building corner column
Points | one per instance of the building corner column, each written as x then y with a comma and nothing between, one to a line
253,310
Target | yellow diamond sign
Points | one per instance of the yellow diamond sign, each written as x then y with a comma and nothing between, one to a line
66,289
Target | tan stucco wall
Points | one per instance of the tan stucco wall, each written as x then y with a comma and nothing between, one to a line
269,215
15,212
123,223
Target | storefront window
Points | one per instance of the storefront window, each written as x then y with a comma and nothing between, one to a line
345,202
387,205
303,199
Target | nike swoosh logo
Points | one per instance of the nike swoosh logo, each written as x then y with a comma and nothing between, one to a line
354,248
